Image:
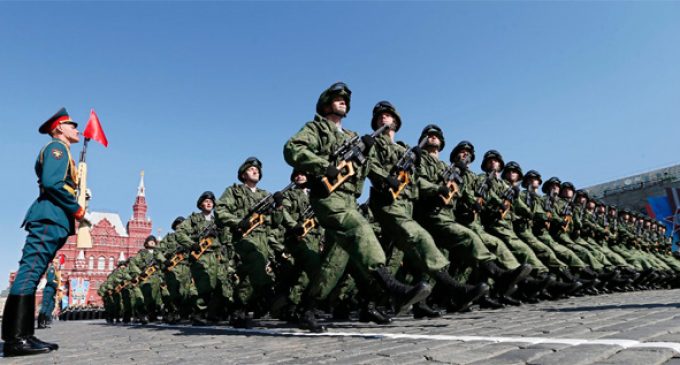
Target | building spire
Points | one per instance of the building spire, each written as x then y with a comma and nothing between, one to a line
140,189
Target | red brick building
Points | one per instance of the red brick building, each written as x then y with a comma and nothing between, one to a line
111,241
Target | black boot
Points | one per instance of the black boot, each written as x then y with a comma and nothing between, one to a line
241,319
486,302
42,323
403,296
422,310
461,295
531,286
17,328
369,313
308,320
504,280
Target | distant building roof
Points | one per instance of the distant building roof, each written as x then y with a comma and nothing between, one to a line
113,218
636,182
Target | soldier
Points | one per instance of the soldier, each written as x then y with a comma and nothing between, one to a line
50,290
254,258
151,287
553,220
395,215
179,293
209,271
347,231
302,242
498,189
436,213
529,213
563,229
49,222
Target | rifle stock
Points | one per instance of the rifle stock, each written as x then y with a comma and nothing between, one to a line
83,238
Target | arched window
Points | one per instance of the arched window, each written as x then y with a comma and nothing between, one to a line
90,263
110,263
101,264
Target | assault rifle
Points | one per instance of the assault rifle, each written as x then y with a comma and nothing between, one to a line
508,197
351,151
405,167
255,216
176,259
531,196
547,206
205,240
308,221
453,180
483,190
150,270
567,213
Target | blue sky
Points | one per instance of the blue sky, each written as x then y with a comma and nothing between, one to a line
187,90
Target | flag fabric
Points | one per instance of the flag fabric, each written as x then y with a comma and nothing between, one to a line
94,130
666,209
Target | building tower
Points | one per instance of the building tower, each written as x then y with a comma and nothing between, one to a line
139,227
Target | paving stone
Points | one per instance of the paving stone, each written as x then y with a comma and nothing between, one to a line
515,357
651,316
576,355
639,357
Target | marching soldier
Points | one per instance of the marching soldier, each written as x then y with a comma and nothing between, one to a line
254,258
179,295
395,214
435,212
209,271
350,236
302,240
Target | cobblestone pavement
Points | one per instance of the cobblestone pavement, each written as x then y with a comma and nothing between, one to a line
625,328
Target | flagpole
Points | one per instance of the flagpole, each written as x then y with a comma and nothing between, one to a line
83,153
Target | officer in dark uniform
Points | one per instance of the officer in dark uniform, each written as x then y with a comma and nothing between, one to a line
49,222
50,290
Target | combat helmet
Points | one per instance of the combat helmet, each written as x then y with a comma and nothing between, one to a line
176,223
148,239
462,145
326,97
513,166
204,196
531,174
250,161
433,129
493,154
385,107
552,181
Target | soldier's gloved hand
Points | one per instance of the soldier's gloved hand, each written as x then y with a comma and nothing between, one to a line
298,230
418,152
167,264
477,207
278,198
443,190
168,255
392,182
195,247
368,142
243,225
332,172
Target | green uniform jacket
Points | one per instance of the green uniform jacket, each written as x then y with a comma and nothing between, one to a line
429,180
234,205
385,156
188,232
310,149
57,180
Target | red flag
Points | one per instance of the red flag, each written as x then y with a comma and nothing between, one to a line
94,130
